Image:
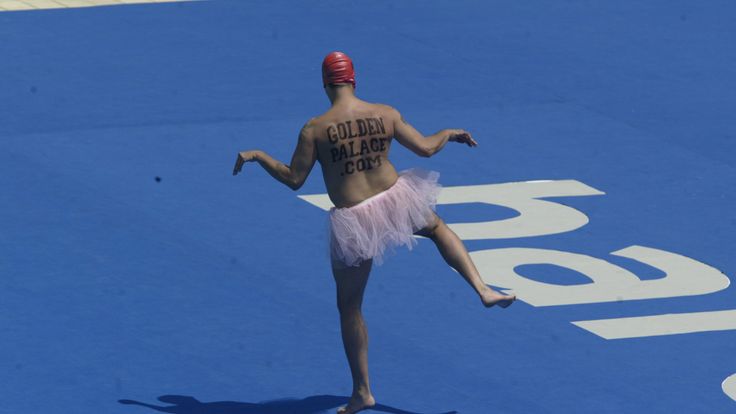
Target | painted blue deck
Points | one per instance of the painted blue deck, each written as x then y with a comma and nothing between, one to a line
216,289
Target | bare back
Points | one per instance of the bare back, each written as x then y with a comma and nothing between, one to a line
353,142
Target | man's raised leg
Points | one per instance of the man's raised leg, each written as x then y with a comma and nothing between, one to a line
456,255
351,282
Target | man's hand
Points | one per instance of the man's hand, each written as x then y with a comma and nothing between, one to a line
243,157
462,136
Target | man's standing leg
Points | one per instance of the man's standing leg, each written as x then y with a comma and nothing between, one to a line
351,284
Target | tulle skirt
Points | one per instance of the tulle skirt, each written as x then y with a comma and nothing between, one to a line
377,225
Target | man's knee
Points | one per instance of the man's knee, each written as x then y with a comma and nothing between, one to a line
349,301
348,306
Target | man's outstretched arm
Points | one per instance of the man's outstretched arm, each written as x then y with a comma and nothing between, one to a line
430,145
294,174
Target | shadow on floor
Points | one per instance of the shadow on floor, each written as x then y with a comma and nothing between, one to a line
311,405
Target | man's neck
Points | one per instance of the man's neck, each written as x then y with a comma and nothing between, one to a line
343,95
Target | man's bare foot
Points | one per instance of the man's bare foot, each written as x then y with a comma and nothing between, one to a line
490,297
357,403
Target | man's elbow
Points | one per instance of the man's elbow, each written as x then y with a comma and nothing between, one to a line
426,152
295,184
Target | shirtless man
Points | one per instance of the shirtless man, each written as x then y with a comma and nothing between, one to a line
376,208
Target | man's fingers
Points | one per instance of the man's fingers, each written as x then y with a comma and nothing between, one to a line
464,137
238,165
471,141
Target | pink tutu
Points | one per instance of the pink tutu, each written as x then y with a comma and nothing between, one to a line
378,224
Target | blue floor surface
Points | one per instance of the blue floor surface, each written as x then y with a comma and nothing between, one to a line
204,293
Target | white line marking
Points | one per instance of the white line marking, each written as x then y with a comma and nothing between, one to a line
15,5
658,325
610,283
729,386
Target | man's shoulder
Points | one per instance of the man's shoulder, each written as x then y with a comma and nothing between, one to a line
311,122
388,110
315,121
307,130
380,106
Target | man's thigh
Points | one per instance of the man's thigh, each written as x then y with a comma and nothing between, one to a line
429,229
351,282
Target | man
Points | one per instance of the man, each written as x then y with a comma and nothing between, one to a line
376,208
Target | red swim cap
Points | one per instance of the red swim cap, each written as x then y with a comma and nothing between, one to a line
337,68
